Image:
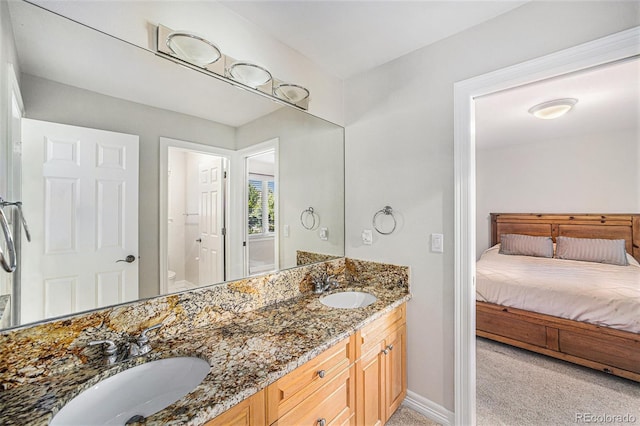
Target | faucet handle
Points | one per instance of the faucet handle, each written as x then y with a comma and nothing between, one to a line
143,339
110,349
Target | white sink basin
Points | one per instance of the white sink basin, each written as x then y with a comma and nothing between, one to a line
139,391
348,300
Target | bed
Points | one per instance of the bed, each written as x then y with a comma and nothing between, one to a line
605,336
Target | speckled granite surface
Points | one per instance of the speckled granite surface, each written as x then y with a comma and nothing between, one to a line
250,335
308,257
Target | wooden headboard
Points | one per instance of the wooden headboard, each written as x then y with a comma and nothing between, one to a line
609,226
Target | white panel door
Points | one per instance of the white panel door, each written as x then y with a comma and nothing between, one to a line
80,193
210,190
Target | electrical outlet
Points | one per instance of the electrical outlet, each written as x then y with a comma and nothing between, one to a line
324,234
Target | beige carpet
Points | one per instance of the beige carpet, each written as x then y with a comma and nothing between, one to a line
518,387
407,417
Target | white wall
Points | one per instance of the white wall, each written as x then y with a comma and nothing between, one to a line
176,200
311,148
593,174
235,36
399,152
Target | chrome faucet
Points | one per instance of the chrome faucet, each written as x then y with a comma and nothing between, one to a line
114,355
142,346
324,283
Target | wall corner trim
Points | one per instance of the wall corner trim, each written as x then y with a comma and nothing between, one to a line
428,408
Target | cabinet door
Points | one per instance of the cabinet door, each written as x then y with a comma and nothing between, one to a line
332,404
396,369
370,394
250,412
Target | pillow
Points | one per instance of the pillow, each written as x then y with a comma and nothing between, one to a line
592,250
526,245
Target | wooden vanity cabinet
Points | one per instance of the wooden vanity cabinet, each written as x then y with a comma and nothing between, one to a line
360,381
381,374
249,412
321,389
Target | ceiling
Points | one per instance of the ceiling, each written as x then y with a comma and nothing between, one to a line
608,102
346,38
349,37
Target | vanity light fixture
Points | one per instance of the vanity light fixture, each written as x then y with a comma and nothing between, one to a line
193,48
249,74
553,109
289,92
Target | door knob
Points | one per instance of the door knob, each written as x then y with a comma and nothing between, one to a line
129,259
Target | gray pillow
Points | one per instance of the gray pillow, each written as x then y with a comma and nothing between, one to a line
526,245
592,250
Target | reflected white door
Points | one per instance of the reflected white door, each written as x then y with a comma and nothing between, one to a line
82,205
210,190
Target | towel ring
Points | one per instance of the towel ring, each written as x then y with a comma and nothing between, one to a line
306,213
387,211
9,266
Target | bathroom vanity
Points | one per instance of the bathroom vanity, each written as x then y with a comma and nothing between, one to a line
360,380
276,352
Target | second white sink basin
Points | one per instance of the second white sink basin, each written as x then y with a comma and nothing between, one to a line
139,391
348,300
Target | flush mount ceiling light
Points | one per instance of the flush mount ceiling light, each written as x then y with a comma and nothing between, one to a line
193,48
292,93
250,74
553,109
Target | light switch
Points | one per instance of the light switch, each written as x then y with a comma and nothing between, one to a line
324,234
367,237
437,243
286,231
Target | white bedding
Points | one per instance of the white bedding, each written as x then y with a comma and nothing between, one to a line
601,294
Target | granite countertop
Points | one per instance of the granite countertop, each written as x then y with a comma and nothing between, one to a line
246,355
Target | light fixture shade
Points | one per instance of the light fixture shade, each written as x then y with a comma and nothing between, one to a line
292,93
250,74
553,109
193,48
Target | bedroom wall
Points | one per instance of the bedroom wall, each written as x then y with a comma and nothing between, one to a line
593,174
399,152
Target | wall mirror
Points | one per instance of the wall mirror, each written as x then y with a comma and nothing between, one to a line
141,176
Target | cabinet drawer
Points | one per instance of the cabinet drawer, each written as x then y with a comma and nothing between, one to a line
290,390
334,402
372,334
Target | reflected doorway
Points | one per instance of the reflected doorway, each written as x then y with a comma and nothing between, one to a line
195,191
261,208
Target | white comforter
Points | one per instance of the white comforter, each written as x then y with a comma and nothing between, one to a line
607,295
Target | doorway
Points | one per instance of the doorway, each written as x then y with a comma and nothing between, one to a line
608,49
260,207
194,189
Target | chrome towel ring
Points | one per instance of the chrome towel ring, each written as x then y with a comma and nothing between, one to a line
9,266
387,211
304,215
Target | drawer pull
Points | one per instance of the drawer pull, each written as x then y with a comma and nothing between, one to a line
390,347
322,422
321,374
385,351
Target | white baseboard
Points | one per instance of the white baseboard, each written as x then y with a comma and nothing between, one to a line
428,408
